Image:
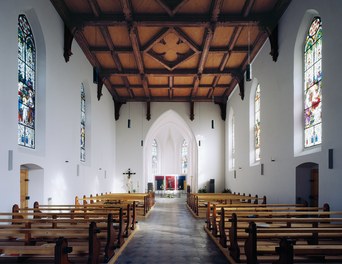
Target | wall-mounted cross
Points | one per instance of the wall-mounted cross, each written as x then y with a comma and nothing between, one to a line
129,173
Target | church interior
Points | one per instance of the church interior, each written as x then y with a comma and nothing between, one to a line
170,97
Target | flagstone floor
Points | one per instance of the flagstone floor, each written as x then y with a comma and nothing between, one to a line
170,234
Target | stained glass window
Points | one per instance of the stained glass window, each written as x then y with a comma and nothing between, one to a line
83,120
185,157
233,142
313,85
257,123
154,157
26,84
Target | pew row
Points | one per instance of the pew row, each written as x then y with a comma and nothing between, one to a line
50,247
128,209
144,202
198,202
26,229
309,236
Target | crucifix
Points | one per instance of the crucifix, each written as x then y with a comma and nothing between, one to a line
129,173
129,183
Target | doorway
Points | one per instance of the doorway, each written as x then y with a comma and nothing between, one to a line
31,185
307,184
24,197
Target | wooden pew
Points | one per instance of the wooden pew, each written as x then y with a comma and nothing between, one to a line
44,246
288,251
144,201
214,211
129,211
198,202
306,231
38,227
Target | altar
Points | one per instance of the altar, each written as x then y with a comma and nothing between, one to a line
170,184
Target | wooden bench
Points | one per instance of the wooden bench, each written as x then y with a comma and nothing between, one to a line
306,231
214,212
198,202
287,251
39,227
143,201
128,209
47,243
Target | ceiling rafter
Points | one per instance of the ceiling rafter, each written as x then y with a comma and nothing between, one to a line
169,10
133,35
177,72
159,20
106,35
169,50
209,34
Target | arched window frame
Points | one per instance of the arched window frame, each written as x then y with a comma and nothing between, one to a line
231,140
154,157
27,71
184,155
83,125
257,122
312,67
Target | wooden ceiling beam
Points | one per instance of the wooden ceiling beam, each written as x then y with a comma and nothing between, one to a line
176,72
170,11
167,86
209,34
186,39
157,37
159,20
128,50
133,35
170,88
166,99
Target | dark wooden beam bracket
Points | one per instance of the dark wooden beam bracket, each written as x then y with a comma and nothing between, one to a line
148,111
117,106
223,108
68,38
192,107
273,37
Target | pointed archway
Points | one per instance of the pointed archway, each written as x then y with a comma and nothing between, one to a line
169,130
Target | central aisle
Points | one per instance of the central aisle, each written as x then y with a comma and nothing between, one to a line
170,234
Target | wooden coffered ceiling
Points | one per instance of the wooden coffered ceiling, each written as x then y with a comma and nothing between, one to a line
170,50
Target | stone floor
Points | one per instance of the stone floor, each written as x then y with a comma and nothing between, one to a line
170,234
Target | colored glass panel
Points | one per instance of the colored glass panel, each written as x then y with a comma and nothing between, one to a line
185,157
154,157
233,141
83,120
313,85
257,123
26,84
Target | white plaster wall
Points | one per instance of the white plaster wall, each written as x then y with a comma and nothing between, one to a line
129,153
277,114
58,113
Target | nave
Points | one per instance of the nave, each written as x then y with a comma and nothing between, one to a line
170,234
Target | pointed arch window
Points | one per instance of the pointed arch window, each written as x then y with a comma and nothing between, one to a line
83,124
154,157
313,84
26,84
257,123
232,142
185,157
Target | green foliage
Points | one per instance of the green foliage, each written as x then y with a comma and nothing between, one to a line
226,191
202,190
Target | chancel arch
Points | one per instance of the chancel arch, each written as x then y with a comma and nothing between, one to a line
169,131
